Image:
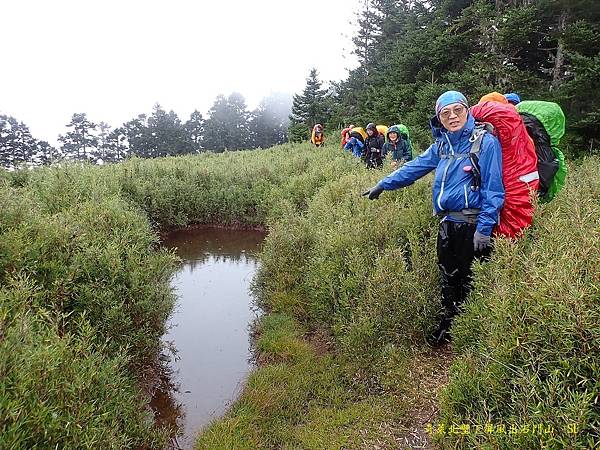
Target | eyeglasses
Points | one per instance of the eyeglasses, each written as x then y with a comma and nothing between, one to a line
457,111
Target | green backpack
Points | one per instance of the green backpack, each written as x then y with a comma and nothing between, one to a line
552,118
404,130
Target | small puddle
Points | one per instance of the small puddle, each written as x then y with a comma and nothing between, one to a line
209,328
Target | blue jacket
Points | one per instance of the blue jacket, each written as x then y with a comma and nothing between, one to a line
453,178
355,146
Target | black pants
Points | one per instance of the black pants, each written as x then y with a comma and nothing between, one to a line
455,255
374,161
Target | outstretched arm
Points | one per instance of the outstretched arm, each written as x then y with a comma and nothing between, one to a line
412,170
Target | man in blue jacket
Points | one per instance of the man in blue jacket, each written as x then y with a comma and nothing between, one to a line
467,196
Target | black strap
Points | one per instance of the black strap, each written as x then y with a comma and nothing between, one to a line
476,139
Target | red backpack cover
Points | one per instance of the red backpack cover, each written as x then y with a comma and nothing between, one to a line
519,165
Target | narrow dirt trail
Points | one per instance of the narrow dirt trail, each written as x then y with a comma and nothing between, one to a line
429,374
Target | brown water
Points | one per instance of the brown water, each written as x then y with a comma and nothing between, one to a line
209,329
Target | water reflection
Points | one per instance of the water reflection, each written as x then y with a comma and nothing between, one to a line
209,328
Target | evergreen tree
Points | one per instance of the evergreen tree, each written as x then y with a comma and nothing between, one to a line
195,129
17,145
101,153
269,122
365,40
138,136
81,143
308,108
227,126
45,154
115,146
167,134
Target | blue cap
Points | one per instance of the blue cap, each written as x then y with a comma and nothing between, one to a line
513,98
449,97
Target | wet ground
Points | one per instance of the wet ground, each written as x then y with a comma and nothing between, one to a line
209,329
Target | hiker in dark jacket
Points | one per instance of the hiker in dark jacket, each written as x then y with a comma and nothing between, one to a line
373,155
397,146
468,204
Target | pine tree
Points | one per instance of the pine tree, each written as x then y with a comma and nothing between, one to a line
139,138
227,126
167,134
195,129
101,154
81,143
46,154
115,146
365,41
269,122
17,145
308,108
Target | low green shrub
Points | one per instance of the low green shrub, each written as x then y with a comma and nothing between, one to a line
60,389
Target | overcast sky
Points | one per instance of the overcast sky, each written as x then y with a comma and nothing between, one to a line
113,59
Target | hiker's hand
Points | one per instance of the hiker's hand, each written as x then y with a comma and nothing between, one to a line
373,193
480,241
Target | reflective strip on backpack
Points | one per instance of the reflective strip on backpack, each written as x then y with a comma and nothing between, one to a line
528,178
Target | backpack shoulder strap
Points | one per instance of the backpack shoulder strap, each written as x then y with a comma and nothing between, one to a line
481,128
477,136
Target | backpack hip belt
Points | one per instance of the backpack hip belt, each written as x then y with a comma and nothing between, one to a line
468,215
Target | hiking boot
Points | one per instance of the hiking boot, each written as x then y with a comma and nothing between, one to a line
441,335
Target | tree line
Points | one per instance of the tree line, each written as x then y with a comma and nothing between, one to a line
229,125
410,51
407,52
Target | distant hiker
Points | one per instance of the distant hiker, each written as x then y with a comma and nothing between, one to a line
398,146
346,135
513,98
373,155
468,210
356,143
318,137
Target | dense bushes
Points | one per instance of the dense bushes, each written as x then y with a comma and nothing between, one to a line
85,288
84,297
364,269
529,341
530,338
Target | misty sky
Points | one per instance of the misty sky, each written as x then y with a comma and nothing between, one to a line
113,59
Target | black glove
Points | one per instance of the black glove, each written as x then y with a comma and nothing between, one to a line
481,241
373,193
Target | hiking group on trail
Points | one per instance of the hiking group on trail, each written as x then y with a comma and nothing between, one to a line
373,145
490,162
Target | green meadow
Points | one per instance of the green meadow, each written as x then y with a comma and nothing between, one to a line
349,288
